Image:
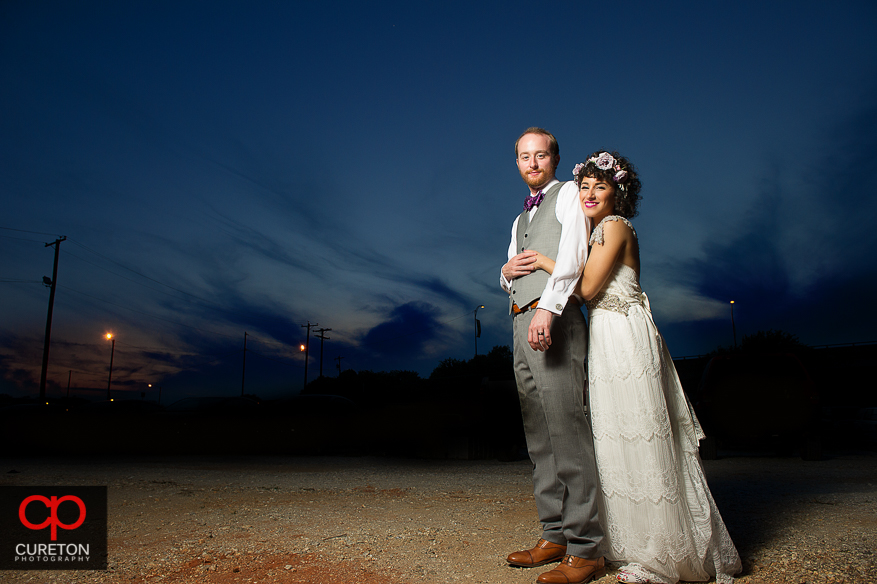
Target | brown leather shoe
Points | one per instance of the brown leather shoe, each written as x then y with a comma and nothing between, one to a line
574,570
545,552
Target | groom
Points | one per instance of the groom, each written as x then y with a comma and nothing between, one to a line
550,348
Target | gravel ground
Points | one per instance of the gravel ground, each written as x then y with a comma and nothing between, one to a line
379,520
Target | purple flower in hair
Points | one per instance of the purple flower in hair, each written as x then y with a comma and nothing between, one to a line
577,169
620,176
605,161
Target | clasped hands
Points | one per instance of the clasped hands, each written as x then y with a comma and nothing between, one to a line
526,262
539,332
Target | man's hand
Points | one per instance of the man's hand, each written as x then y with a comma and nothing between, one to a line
539,333
520,265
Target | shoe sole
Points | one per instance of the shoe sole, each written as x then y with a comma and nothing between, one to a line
595,576
520,565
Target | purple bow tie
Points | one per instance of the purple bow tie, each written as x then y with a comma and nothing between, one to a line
533,200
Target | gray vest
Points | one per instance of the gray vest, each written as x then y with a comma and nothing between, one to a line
542,234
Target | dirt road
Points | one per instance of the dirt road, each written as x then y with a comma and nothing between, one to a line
378,520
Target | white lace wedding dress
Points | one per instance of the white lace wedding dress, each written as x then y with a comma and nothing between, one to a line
658,515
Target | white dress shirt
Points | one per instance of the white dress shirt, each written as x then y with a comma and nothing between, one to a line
572,252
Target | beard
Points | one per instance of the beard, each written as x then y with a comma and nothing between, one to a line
545,176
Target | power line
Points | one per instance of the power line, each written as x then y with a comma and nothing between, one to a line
288,364
121,276
146,313
21,281
26,231
20,238
138,273
373,342
111,261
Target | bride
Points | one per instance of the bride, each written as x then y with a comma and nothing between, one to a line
658,514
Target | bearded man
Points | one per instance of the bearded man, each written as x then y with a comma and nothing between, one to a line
550,349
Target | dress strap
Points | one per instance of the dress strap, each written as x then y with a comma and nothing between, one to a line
597,233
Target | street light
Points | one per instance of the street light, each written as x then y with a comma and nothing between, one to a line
733,327
112,353
304,349
159,392
477,328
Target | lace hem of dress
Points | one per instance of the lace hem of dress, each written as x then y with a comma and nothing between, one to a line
597,233
668,550
639,571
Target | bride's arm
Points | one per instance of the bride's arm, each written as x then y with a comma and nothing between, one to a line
543,263
602,259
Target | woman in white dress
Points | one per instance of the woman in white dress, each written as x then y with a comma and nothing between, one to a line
658,515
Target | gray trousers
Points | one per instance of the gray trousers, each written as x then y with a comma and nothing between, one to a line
559,437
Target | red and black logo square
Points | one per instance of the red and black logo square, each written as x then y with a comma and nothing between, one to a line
53,528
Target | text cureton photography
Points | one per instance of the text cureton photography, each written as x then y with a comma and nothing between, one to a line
53,528
52,552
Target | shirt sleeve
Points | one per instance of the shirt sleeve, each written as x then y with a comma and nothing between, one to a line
506,285
572,252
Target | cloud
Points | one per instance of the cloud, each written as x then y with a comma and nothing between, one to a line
801,256
406,333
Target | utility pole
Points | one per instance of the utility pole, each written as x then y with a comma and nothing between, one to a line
322,336
305,348
338,358
149,385
52,283
69,377
244,372
477,328
733,326
112,353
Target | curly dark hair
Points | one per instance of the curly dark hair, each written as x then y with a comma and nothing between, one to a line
627,187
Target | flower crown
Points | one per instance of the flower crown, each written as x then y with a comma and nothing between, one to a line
604,161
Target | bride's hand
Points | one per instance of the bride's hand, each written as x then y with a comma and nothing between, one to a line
543,263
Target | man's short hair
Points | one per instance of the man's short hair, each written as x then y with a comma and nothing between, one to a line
553,148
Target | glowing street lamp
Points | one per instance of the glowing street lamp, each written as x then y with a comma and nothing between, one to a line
304,349
159,392
110,336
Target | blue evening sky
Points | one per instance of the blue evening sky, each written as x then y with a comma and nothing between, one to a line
229,167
